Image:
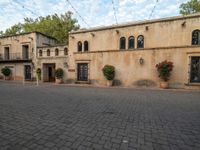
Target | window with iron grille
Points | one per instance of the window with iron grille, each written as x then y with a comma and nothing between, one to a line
195,69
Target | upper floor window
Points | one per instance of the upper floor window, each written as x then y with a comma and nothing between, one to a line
79,46
65,51
48,52
40,53
122,43
56,52
131,42
86,46
196,37
140,41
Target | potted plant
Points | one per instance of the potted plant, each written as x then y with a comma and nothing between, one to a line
109,73
59,75
38,72
6,72
164,69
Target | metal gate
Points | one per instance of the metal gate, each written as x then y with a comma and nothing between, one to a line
27,72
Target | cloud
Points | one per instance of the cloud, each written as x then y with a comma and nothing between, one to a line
94,12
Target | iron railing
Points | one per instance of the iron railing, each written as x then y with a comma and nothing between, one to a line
15,56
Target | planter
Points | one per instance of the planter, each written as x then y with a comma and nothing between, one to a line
164,84
59,81
109,83
7,78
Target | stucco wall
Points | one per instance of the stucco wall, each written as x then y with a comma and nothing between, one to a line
129,72
15,43
159,34
60,61
168,39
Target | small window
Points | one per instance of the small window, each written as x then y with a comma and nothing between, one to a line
140,41
196,37
79,46
65,51
122,43
40,53
86,46
131,42
56,52
48,52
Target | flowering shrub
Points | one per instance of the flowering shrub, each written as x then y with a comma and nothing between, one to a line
164,69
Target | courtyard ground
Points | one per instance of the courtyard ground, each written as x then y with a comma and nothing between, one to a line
51,117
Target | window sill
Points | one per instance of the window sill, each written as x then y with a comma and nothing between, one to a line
83,82
192,84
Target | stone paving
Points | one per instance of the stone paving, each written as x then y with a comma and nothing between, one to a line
51,117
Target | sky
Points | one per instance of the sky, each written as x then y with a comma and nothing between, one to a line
94,12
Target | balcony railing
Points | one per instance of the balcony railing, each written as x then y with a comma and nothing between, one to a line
15,56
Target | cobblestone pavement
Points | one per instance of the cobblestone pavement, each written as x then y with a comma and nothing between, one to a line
51,117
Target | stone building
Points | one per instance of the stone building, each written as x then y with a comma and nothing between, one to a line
134,49
52,57
20,53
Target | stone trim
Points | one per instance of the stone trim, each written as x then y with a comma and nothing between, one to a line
142,49
196,15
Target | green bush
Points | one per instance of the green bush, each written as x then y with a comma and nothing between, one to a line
59,73
109,72
164,69
6,71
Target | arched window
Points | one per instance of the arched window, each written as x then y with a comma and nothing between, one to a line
56,52
122,43
140,41
131,42
79,46
65,51
196,37
86,46
48,52
40,53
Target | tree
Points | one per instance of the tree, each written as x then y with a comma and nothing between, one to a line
17,28
57,26
193,6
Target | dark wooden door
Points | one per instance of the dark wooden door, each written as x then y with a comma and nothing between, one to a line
82,72
25,52
51,74
27,72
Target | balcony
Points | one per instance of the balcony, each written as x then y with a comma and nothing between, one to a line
15,57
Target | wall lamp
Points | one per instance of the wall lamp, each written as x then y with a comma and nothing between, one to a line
141,61
65,64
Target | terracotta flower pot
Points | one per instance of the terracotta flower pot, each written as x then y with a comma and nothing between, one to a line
59,81
7,78
109,83
164,84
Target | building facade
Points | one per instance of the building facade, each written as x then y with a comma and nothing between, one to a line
134,50
50,58
22,54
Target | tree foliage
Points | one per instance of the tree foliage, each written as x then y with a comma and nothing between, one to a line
193,6
57,26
